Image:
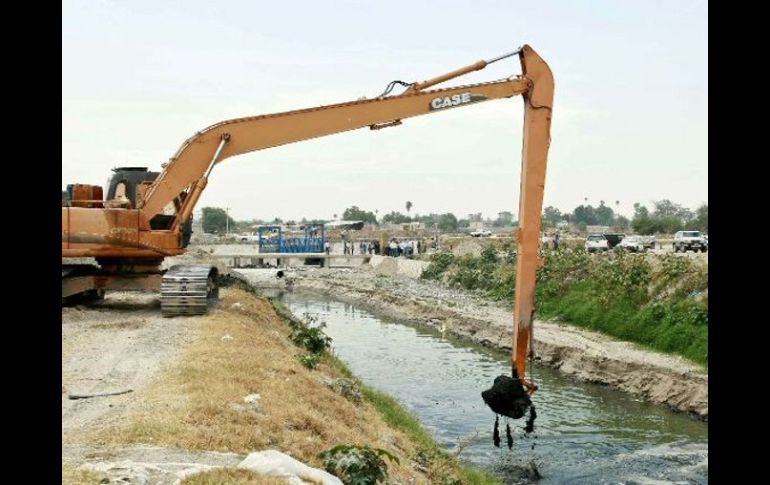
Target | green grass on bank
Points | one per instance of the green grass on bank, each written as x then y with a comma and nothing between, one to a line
660,302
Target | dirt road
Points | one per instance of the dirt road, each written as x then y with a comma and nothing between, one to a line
116,345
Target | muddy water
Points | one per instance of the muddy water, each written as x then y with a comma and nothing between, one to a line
584,433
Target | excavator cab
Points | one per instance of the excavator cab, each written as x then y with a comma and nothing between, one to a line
129,183
127,187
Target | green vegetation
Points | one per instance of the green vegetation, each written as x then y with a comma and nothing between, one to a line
396,218
310,361
666,217
215,220
311,336
357,465
355,214
660,302
308,334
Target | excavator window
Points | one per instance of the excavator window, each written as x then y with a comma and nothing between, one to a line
120,190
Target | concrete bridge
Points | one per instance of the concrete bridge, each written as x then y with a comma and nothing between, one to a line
285,259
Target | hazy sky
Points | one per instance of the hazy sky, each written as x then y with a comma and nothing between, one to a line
630,118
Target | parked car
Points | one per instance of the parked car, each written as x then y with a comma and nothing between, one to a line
690,240
596,242
648,241
634,244
481,233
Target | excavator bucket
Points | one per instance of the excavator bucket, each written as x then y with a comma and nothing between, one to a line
507,396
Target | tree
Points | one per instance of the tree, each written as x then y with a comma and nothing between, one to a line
447,222
475,217
430,220
622,222
408,207
701,221
642,223
666,208
215,220
552,215
584,215
356,214
504,218
640,210
463,223
667,218
396,218
604,214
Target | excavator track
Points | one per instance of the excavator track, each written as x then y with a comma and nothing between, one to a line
79,270
188,290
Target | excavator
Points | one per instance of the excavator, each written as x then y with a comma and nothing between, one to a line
147,216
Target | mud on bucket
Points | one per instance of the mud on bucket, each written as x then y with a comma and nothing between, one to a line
507,396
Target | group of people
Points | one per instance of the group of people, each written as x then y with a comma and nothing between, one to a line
555,240
348,247
404,248
364,247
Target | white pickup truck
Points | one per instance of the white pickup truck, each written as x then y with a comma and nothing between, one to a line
597,243
690,240
249,237
481,233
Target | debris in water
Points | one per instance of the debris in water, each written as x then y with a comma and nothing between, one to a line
509,435
496,434
534,471
507,396
518,471
530,427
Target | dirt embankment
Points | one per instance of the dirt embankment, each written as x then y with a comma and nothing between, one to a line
205,392
587,355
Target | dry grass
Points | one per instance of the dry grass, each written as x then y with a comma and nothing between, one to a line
198,403
72,476
232,476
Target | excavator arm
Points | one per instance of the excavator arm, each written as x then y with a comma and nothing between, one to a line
192,162
125,237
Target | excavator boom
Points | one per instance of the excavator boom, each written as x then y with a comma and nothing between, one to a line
131,241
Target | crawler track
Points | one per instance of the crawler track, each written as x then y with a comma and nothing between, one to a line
188,290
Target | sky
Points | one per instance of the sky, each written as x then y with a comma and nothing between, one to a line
630,115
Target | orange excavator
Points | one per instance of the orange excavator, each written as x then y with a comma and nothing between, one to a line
147,216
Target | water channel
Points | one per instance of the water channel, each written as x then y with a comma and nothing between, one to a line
584,433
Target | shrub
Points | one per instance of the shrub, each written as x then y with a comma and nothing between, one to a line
357,465
310,361
439,263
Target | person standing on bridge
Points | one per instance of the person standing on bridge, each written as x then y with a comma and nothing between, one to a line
326,247
393,246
